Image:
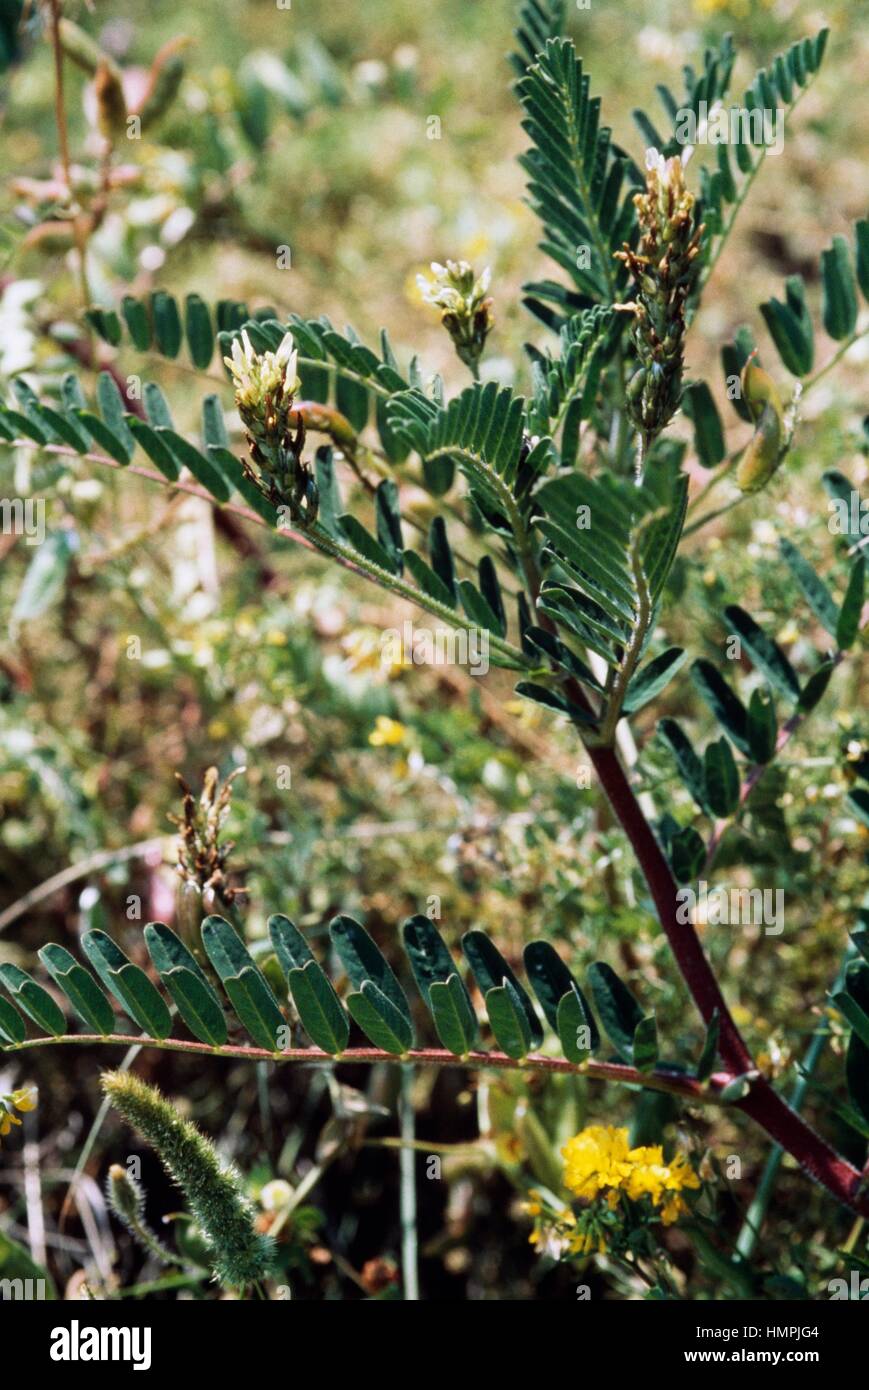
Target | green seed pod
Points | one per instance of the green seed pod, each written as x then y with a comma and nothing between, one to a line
763,453
188,909
758,390
164,80
81,49
111,106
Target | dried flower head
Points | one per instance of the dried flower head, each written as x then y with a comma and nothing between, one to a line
202,857
466,309
664,269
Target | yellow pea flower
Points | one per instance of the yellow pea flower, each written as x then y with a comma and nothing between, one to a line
599,1160
25,1098
387,733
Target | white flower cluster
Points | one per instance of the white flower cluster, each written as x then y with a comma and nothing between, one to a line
454,287
258,375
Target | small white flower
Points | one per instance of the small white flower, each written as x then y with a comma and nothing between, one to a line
256,376
655,160
276,1194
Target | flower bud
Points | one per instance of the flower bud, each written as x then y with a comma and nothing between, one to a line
125,1195
466,307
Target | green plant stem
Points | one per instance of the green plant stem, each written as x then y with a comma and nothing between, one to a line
172,1281
151,1243
407,1171
300,1192
837,357
714,515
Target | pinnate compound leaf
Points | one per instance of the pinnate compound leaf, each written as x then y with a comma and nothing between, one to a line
80,988
130,985
508,1020
617,1008
32,999
195,998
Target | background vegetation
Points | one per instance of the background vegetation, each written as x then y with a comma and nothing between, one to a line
309,129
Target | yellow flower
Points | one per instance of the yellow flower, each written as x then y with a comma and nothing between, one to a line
673,1208
595,1159
387,733
599,1160
24,1098
588,1242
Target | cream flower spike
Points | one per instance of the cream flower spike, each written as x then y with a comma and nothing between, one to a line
288,357
256,375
